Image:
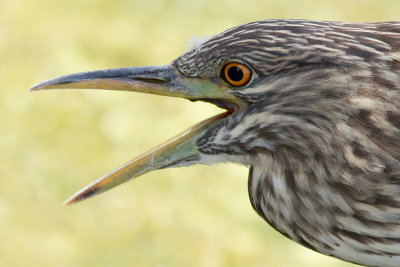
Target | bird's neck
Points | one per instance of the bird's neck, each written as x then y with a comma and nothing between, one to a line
322,207
286,198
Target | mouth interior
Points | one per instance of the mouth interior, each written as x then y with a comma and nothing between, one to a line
228,106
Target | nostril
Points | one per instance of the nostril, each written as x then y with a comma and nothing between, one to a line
150,80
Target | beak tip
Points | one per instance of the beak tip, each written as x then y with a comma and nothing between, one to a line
38,87
82,194
69,202
54,83
33,88
78,197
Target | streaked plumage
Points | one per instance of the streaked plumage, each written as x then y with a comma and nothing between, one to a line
320,129
322,132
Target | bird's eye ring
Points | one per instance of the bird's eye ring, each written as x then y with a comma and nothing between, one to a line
236,74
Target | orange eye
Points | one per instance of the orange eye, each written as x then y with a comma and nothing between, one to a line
236,74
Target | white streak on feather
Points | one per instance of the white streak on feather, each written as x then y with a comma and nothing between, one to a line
195,43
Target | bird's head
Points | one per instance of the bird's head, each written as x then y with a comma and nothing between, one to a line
272,77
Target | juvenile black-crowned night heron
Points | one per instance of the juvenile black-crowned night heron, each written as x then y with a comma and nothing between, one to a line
312,107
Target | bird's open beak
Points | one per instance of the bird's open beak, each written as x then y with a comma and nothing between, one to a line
163,80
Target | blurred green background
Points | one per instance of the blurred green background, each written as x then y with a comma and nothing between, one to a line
52,143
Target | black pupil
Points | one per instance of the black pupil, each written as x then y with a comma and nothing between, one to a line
235,74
